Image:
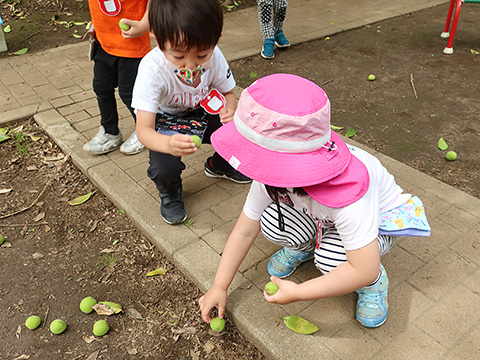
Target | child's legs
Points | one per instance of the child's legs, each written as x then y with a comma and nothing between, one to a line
279,14
331,252
105,80
165,171
127,72
265,16
300,229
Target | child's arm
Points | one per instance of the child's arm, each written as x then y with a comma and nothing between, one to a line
236,248
176,145
361,269
137,28
226,114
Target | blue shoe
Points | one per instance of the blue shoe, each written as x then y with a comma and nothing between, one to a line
372,304
280,40
284,262
267,49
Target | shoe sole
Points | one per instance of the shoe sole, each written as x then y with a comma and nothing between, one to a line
267,57
281,46
291,272
132,152
213,175
102,152
174,223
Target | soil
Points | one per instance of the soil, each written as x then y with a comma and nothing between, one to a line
398,116
55,254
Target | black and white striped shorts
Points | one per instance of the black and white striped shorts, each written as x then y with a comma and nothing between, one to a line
301,231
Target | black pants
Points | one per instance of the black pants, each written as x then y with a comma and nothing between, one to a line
165,170
110,72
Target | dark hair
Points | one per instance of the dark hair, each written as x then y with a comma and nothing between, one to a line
276,192
186,23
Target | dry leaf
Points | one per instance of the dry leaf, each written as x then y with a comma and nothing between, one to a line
31,168
6,244
5,191
89,339
93,356
107,251
22,357
134,314
37,255
102,309
39,216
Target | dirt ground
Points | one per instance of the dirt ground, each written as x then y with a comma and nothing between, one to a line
385,113
55,254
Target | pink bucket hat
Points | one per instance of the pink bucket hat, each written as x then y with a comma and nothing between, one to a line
281,137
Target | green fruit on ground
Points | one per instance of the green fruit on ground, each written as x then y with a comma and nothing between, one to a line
123,26
451,155
86,304
100,328
196,140
271,288
58,326
33,322
1,239
371,77
217,324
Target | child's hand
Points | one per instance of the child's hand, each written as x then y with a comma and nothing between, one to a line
181,145
226,115
286,293
214,297
137,29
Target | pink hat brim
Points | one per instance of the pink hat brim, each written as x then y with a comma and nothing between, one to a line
333,178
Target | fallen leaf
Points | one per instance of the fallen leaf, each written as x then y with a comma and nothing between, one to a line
89,339
336,127
4,137
35,138
22,357
299,325
37,255
80,200
39,216
134,314
188,330
5,191
31,168
102,309
7,29
107,251
132,351
20,52
475,52
442,144
93,356
159,271
350,132
6,244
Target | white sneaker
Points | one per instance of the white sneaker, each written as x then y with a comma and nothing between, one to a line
132,145
103,143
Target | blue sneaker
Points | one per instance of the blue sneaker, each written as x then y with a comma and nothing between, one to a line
284,262
267,49
280,40
372,305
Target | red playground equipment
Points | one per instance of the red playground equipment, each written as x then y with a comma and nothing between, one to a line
454,9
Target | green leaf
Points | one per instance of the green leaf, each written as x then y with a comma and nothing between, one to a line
80,200
77,36
4,137
442,144
299,325
159,271
350,132
7,29
21,51
333,127
475,52
252,74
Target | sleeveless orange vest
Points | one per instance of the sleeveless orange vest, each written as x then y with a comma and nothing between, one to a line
105,17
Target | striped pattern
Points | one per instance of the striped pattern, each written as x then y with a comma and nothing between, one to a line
300,233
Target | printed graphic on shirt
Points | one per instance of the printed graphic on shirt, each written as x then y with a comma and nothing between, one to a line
187,100
110,7
168,124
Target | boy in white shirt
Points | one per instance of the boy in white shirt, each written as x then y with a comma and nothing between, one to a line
172,81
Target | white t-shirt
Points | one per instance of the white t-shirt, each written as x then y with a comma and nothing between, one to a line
158,89
357,223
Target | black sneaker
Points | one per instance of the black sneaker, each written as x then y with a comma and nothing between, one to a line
229,174
172,207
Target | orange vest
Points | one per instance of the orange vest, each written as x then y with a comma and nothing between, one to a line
105,17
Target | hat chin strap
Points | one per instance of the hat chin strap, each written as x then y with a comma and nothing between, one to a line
282,145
